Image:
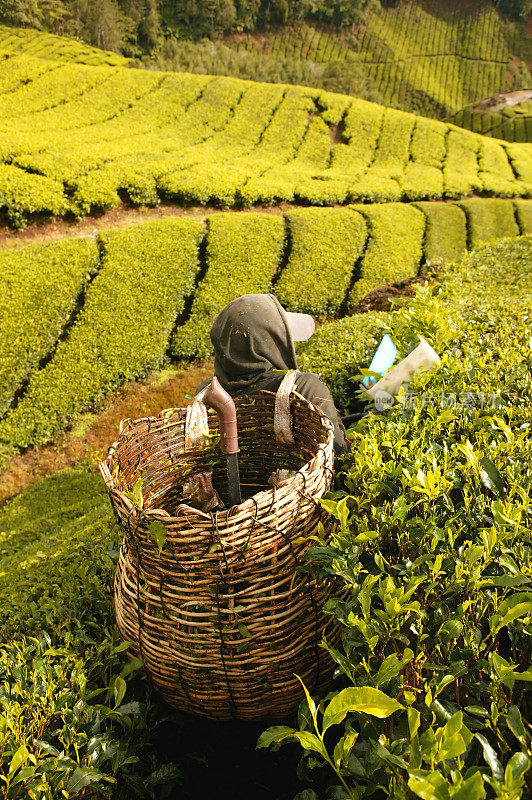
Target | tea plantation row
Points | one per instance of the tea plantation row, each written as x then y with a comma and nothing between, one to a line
38,44
121,308
433,556
75,138
415,56
513,123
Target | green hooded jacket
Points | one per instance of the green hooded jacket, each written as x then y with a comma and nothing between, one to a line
253,350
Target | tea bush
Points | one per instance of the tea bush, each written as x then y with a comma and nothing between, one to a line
445,232
55,48
122,330
75,719
243,254
432,559
75,138
495,172
149,271
523,213
460,170
521,160
362,126
423,176
22,194
325,246
394,248
488,219
39,288
513,123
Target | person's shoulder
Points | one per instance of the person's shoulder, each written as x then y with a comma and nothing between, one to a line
311,385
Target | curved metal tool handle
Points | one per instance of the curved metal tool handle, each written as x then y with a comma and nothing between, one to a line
218,399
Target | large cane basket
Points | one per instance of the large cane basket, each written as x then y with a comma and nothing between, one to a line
216,604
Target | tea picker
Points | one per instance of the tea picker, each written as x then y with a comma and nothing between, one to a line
208,587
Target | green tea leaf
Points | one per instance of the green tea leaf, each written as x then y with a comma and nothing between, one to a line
515,770
428,785
471,789
19,758
392,666
490,757
311,742
518,605
274,734
158,534
515,723
119,690
491,477
365,699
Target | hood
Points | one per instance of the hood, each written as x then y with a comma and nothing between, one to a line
251,338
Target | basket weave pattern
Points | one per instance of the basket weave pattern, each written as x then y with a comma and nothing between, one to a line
222,617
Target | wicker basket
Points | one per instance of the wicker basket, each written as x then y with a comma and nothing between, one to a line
222,618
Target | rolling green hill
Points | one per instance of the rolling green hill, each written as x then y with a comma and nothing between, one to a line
75,138
16,41
432,56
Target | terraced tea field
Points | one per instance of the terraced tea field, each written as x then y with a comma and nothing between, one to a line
513,123
142,294
17,41
75,138
431,557
436,57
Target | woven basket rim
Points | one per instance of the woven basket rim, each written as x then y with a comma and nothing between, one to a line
254,501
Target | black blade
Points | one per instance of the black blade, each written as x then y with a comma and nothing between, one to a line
233,480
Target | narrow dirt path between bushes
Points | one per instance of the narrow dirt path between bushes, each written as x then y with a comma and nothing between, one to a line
89,439
52,229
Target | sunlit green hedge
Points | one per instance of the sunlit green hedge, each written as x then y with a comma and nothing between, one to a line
394,248
445,233
148,271
325,246
78,138
243,253
460,171
523,212
122,330
55,48
39,286
489,219
495,171
23,194
338,350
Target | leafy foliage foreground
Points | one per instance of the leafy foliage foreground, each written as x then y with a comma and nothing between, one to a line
433,561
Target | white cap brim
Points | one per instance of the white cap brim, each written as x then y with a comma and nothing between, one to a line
302,326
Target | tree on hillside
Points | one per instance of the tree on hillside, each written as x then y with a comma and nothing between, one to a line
145,16
102,23
515,8
21,12
201,18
